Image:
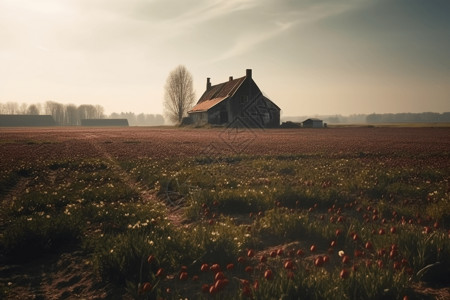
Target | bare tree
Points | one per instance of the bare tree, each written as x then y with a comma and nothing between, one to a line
33,109
179,94
56,110
23,109
87,111
11,108
99,112
72,115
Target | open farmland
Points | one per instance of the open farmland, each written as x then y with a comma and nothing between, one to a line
149,213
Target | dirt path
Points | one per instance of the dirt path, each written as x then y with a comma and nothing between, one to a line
66,276
70,275
174,210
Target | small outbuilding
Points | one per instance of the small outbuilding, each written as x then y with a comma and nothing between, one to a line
26,121
313,123
104,122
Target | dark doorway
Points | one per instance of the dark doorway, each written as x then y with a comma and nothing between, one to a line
223,117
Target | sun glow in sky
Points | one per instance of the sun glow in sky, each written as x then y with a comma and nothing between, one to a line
309,57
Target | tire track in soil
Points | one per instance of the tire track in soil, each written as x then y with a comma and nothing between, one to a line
174,211
70,275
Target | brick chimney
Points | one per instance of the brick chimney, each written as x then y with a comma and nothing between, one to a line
208,83
231,78
248,73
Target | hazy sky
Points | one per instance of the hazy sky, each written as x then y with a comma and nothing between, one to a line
308,56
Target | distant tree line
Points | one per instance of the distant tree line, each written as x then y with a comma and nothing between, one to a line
71,115
425,117
140,119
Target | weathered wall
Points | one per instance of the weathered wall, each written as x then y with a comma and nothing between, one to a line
199,118
26,121
252,108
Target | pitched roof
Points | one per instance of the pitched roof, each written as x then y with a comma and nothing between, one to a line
206,104
216,94
313,120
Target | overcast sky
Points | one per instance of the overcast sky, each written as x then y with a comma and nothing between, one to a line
308,56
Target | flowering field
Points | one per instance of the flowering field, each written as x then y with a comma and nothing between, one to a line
145,213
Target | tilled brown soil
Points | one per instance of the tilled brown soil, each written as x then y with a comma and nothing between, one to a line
29,145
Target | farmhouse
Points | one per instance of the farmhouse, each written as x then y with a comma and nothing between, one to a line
26,121
313,123
235,103
104,122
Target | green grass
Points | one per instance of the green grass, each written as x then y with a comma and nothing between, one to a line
232,205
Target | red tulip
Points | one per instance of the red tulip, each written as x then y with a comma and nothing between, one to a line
212,289
183,276
219,275
246,291
250,253
268,274
146,287
215,268
160,272
345,259
318,262
380,263
256,284
205,288
344,273
358,253
288,264
204,268
150,259
220,284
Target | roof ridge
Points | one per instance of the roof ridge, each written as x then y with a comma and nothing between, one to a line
225,82
238,84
